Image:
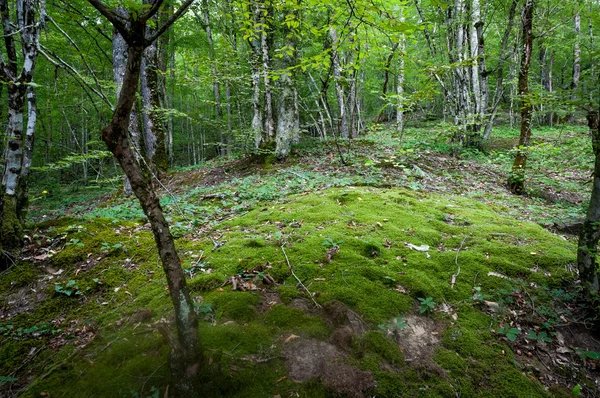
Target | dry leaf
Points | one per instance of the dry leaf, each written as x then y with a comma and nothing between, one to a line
292,337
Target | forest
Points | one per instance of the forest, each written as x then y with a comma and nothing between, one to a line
299,198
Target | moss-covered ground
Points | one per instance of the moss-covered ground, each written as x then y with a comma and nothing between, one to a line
401,226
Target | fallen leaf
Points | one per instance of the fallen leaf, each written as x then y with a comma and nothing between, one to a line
422,248
292,337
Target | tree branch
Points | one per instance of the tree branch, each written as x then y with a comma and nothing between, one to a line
153,10
115,19
169,22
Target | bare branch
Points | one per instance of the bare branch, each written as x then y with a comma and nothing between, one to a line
169,22
153,10
115,19
55,60
90,70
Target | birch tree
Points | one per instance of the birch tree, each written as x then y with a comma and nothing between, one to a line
17,66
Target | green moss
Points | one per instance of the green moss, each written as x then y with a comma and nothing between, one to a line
376,342
293,319
11,230
22,274
237,306
137,357
288,293
368,221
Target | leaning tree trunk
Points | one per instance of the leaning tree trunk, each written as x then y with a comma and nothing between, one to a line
516,179
119,50
186,359
14,195
587,249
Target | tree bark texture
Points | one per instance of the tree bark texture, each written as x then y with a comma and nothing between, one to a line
400,82
265,46
339,89
18,76
516,179
119,49
576,64
287,115
546,64
587,250
154,127
255,71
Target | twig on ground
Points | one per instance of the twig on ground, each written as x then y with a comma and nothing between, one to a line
294,173
454,276
344,279
287,260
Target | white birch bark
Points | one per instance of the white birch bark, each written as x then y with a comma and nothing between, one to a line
14,195
337,75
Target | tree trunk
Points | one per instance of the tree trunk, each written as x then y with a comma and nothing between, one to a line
400,83
386,81
287,123
475,27
576,64
186,359
265,41
546,64
14,194
587,249
516,179
154,128
215,76
119,64
337,74
255,70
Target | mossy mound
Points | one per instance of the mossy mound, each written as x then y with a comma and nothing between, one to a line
359,246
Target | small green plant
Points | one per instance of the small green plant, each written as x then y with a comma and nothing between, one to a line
75,242
398,323
108,247
427,305
7,379
36,330
477,295
540,337
510,333
588,354
69,289
330,243
576,390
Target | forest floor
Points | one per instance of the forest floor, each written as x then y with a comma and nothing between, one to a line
394,270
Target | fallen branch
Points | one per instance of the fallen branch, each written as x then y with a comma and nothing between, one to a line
294,173
454,276
287,260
